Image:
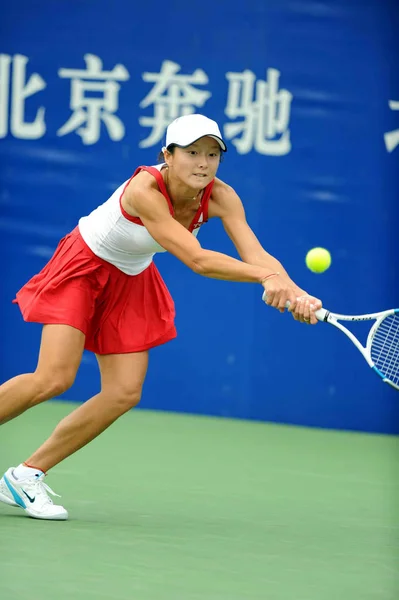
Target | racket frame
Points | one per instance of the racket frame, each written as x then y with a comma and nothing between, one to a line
333,318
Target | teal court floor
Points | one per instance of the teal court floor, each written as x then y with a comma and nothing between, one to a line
174,507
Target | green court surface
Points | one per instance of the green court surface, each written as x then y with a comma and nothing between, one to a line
173,507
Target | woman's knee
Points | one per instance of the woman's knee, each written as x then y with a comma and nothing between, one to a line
54,382
124,398
122,378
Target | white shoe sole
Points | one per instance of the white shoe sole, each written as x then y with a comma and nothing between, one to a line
56,517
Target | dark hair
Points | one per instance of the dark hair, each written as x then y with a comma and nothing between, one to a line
171,149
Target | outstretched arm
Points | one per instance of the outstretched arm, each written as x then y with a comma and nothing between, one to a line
142,199
228,206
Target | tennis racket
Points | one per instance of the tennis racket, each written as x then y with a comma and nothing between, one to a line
382,346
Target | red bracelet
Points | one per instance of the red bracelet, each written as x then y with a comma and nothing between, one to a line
270,275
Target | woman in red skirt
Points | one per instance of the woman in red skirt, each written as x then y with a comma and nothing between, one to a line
102,292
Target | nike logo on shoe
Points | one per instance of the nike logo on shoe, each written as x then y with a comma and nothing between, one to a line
29,498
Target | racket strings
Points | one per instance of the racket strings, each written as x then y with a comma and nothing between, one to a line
385,348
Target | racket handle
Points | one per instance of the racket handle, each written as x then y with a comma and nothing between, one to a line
321,314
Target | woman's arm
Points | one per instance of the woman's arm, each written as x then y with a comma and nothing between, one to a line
229,208
142,199
145,201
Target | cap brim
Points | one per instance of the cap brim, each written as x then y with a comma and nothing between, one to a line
215,137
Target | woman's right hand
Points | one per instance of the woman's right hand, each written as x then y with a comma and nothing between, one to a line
279,291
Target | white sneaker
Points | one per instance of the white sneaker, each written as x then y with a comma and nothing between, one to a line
32,495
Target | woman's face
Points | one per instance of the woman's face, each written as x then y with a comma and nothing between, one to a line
196,165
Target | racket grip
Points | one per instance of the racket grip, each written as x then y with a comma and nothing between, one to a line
320,314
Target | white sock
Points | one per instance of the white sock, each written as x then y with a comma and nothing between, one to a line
24,472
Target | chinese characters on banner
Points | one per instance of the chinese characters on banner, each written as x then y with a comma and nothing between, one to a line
265,112
88,110
392,137
258,110
173,95
14,97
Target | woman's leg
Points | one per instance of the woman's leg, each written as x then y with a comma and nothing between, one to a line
60,355
122,378
59,359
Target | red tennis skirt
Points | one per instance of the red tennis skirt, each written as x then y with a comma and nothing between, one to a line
118,313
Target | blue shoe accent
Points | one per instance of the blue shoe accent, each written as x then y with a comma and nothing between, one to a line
16,496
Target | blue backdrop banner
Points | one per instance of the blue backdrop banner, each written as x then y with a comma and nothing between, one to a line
306,93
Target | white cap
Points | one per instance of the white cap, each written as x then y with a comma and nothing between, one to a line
186,130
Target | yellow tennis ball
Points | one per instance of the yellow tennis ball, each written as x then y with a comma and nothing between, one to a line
318,260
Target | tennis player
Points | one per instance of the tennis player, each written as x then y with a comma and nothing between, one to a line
102,292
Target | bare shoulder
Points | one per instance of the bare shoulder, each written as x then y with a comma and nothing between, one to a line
221,190
142,195
143,181
224,199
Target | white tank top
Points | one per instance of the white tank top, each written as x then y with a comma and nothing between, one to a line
122,240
